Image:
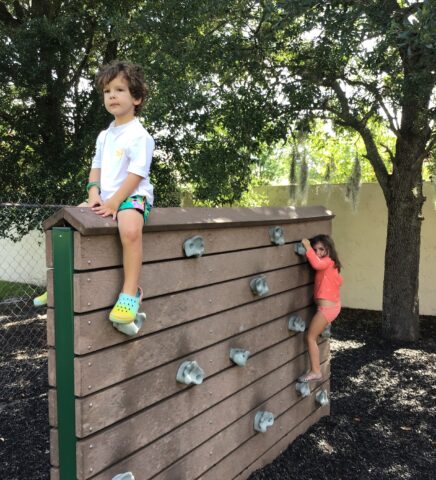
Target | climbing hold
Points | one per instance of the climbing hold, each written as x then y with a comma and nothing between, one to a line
194,246
299,249
259,286
327,332
322,397
131,328
239,356
303,388
124,476
190,372
262,421
276,235
296,323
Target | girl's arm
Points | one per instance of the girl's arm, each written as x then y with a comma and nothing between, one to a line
316,262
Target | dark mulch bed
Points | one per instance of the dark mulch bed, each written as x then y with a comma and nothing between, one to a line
382,423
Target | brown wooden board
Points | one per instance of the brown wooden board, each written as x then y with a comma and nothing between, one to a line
113,404
160,454
111,366
115,443
54,474
176,218
195,464
99,289
92,253
93,331
257,452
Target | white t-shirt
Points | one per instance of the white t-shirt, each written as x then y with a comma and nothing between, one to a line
121,150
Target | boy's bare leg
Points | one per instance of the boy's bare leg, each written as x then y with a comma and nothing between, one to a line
317,325
130,223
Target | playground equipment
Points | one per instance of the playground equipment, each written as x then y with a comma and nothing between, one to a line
172,401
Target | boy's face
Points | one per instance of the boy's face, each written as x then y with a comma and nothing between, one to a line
119,101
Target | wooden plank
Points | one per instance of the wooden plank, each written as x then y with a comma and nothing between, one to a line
105,251
195,464
118,441
51,367
93,331
54,447
110,366
52,408
270,455
99,289
156,457
50,325
48,250
176,218
54,474
131,396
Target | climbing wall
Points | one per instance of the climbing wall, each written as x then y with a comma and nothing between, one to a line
214,280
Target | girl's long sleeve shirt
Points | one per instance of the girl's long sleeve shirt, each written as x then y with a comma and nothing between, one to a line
327,277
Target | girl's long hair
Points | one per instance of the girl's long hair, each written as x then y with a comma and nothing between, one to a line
329,244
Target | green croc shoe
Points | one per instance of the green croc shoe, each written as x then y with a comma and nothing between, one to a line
126,308
41,300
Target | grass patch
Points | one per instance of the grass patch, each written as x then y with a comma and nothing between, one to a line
15,289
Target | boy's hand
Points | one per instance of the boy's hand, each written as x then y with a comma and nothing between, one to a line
107,209
94,198
306,243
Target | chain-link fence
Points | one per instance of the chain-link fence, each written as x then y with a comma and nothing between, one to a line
23,350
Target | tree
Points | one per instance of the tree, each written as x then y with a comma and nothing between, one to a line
357,63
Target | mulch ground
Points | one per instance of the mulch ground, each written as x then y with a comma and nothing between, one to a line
382,423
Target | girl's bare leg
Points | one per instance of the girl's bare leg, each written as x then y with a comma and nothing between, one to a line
130,223
317,325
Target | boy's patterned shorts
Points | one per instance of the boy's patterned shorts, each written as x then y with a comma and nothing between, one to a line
137,202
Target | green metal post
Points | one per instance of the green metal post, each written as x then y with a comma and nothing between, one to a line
63,268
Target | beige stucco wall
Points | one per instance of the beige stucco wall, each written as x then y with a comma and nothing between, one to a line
360,238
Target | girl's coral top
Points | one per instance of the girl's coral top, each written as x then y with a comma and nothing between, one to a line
327,277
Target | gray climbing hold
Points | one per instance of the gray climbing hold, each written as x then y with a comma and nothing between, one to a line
262,421
327,332
303,388
259,286
276,235
194,246
124,476
132,328
190,372
299,249
322,397
296,323
239,356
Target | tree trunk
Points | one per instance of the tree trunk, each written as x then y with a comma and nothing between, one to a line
401,278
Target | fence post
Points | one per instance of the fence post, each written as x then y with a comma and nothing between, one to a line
63,265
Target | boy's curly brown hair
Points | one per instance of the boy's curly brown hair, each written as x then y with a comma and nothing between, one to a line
133,75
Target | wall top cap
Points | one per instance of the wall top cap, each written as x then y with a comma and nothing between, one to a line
86,222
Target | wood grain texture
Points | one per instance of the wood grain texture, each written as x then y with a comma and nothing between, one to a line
127,398
98,289
115,443
87,223
93,331
160,454
104,251
285,403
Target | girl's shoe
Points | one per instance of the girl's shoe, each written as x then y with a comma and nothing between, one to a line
126,308
310,377
41,300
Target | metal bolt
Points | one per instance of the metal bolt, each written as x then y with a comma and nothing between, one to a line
91,446
90,429
89,387
91,469
88,279
89,347
89,364
89,262
90,405
89,322
89,304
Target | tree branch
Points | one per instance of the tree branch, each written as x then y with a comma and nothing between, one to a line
6,17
